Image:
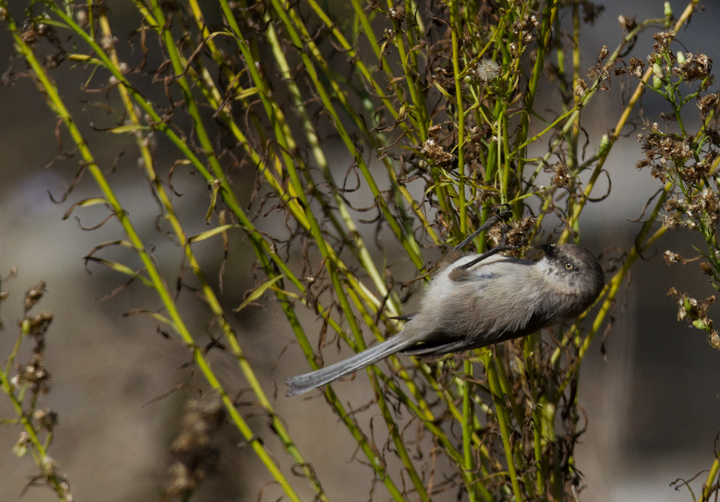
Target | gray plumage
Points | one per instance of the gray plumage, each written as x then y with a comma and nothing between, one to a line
497,299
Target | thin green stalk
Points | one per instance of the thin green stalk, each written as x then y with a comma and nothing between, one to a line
639,90
456,30
577,99
505,168
302,38
360,64
158,283
416,94
207,290
529,347
291,198
311,135
506,388
467,425
407,240
397,439
548,16
503,420
708,486
614,284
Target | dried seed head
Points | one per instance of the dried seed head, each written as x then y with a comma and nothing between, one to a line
21,447
397,13
434,131
708,103
637,67
33,295
604,51
47,419
714,339
627,23
35,375
671,257
486,70
580,87
436,153
698,171
695,313
194,454
514,234
81,17
662,40
693,67
562,175
706,268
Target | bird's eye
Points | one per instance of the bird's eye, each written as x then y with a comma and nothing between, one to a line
569,266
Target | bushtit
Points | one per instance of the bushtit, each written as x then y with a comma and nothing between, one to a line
474,302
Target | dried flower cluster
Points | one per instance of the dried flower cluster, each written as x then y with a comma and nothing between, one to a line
693,67
34,373
696,314
436,154
26,387
561,175
664,152
686,164
195,456
513,234
637,67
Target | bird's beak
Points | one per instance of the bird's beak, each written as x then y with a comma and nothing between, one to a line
548,249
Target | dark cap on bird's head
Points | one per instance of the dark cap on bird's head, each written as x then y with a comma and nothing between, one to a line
581,272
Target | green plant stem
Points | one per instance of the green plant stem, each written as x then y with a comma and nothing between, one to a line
548,17
468,424
457,71
614,285
40,455
530,345
207,290
416,95
707,487
503,419
634,99
159,285
393,428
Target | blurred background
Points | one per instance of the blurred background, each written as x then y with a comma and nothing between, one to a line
653,403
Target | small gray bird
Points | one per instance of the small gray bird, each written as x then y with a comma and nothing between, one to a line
472,303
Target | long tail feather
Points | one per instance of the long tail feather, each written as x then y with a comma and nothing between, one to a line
303,383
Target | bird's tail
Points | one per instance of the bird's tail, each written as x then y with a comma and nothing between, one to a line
303,383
